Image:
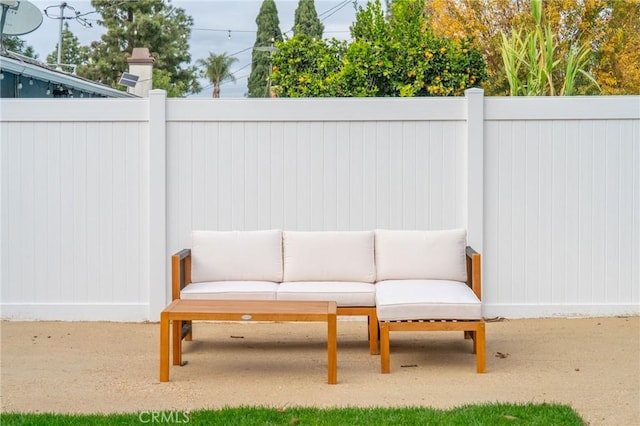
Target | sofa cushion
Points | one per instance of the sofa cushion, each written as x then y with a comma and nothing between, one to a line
426,299
421,255
343,293
329,256
236,256
244,290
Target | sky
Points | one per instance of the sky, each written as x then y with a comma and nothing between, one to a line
210,33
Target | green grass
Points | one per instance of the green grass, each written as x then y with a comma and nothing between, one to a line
486,414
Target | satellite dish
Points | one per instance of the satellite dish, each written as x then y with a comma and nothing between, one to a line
19,17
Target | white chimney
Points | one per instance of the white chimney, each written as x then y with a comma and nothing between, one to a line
141,64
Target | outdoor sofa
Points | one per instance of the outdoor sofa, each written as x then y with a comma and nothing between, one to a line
399,280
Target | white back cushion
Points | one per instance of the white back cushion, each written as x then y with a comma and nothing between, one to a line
329,256
236,256
421,255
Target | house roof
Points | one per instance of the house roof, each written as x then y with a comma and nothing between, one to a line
29,67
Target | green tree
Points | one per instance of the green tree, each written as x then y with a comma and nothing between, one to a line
72,52
393,53
268,33
308,67
307,21
162,80
368,60
17,45
217,68
154,24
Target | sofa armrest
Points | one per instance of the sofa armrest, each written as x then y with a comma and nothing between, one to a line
474,271
180,272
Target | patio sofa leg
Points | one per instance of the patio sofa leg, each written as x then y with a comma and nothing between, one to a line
374,333
480,349
384,348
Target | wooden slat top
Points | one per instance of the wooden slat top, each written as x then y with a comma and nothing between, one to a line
251,307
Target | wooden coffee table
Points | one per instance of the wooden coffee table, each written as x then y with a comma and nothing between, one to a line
239,310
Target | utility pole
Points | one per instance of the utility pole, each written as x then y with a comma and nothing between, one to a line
269,49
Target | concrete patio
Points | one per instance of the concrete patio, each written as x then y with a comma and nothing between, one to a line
592,364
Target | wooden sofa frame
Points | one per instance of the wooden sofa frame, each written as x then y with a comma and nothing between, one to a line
473,329
181,276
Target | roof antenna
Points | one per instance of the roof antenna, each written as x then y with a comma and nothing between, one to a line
76,15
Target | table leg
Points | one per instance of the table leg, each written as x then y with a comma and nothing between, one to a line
164,347
177,342
332,349
374,335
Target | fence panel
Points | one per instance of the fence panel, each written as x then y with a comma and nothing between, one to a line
71,213
561,207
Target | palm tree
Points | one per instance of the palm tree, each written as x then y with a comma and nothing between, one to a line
217,68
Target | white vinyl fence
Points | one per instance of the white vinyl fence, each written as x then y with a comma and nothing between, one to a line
562,206
97,194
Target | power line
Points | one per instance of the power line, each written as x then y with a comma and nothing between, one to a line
342,5
330,12
241,51
337,7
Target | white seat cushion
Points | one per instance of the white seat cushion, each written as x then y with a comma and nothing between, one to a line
421,255
343,293
236,256
426,299
245,290
329,256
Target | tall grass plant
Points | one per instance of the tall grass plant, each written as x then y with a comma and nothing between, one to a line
532,66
